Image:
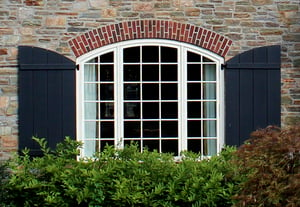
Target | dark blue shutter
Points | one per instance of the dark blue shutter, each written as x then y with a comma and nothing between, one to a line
252,93
46,97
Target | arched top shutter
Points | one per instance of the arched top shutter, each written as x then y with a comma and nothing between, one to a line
252,93
46,97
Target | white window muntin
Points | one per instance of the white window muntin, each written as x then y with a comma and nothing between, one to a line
182,82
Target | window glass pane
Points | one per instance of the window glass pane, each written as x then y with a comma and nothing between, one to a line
104,143
132,129
150,73
168,54
150,110
209,91
150,91
106,92
91,129
107,129
169,146
209,128
169,110
194,110
151,145
107,58
90,147
132,110
131,55
131,73
194,91
150,53
193,57
209,72
194,72
209,147
209,109
150,129
131,91
107,110
90,73
194,128
90,91
194,145
169,129
91,110
106,72
169,91
169,72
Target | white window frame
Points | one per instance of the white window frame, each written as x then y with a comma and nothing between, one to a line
117,48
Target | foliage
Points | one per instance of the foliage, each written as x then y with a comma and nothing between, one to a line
271,158
120,178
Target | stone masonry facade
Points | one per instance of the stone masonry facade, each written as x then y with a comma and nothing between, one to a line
59,24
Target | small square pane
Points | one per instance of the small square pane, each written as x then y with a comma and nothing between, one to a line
90,147
131,73
106,92
169,91
169,72
131,55
107,129
106,143
169,110
107,58
150,129
91,129
90,73
194,72
132,110
209,91
209,109
209,147
169,129
107,110
209,128
106,72
131,91
168,54
194,110
150,110
90,91
132,129
209,72
193,57
150,73
194,145
170,146
150,53
194,90
194,128
205,59
151,145
150,91
91,110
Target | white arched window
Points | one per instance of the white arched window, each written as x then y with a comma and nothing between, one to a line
163,95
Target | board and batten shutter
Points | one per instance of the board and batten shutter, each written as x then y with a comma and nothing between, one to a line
47,103
252,93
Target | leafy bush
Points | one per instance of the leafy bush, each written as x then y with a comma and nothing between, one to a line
120,178
271,158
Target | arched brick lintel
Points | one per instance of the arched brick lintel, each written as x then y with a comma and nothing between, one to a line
145,29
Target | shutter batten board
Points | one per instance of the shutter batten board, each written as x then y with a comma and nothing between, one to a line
47,97
252,93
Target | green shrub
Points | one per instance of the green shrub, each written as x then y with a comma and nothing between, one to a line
271,158
120,178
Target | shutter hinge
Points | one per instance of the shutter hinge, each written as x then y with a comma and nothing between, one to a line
223,66
77,67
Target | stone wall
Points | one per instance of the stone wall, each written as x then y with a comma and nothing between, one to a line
51,24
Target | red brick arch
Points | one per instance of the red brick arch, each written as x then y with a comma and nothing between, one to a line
145,29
